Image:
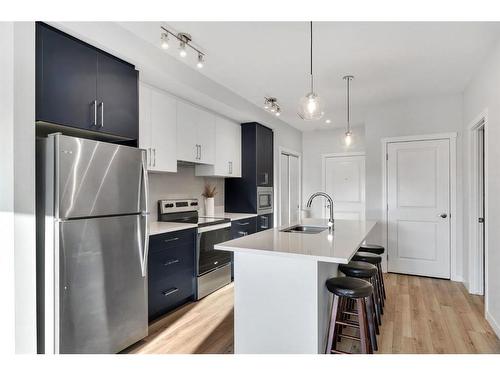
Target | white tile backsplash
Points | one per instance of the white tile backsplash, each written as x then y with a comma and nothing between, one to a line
181,185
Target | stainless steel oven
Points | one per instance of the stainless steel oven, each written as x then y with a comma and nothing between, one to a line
214,266
264,200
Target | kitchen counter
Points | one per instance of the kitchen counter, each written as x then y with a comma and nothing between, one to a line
336,248
281,304
158,227
234,216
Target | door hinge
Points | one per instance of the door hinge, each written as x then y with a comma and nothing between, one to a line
481,219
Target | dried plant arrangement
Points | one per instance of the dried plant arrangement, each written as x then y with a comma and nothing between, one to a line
209,191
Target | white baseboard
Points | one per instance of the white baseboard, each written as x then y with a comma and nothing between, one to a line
493,323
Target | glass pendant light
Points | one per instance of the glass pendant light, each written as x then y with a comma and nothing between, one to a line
311,105
348,133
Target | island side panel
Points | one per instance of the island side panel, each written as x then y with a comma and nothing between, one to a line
275,304
325,271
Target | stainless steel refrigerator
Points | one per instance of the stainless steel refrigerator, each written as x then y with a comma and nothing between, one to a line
92,245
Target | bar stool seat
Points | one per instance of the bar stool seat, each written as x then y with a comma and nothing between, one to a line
372,248
367,257
358,269
349,287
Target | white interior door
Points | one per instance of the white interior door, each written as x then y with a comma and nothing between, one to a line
289,189
418,197
344,178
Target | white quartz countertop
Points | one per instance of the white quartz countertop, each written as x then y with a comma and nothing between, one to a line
158,227
233,216
336,248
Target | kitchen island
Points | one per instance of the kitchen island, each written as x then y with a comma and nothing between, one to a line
281,304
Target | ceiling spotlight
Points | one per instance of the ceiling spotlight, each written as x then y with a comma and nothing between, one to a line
182,49
164,40
201,61
328,121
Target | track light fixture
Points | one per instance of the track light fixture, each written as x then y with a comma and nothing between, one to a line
201,61
271,105
184,42
164,41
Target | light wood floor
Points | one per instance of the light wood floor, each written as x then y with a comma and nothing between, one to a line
422,315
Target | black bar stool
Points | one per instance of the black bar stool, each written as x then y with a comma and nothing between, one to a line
368,272
344,290
379,250
376,260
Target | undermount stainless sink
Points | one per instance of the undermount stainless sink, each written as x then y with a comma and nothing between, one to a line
308,229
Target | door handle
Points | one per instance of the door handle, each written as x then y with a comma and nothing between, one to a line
94,103
154,158
145,215
171,239
102,115
149,157
200,152
169,292
444,216
170,262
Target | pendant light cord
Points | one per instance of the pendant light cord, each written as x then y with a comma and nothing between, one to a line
312,79
348,105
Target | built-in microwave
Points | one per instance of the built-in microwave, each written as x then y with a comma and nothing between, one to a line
264,200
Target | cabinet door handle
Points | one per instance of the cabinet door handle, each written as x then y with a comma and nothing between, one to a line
94,103
197,152
149,156
170,262
154,158
200,152
170,291
102,115
245,223
243,233
171,239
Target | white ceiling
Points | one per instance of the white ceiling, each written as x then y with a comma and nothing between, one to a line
389,60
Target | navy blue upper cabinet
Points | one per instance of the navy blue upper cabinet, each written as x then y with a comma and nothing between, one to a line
264,156
80,86
66,79
118,98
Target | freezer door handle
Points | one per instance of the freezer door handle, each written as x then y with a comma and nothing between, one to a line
145,214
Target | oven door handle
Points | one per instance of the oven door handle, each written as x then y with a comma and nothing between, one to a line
210,228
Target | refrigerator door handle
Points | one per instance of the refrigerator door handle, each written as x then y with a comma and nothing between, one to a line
145,214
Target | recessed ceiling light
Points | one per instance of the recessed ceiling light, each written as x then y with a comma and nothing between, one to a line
328,121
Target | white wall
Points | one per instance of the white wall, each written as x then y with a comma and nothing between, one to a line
7,314
483,93
315,144
181,185
17,186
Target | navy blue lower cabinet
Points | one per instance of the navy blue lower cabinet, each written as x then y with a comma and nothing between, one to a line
171,271
264,222
243,227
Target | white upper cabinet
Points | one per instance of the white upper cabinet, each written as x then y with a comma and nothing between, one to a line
195,134
157,128
227,151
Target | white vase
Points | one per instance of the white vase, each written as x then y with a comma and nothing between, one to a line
209,206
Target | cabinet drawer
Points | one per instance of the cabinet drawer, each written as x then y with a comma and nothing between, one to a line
243,227
167,295
163,241
167,263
